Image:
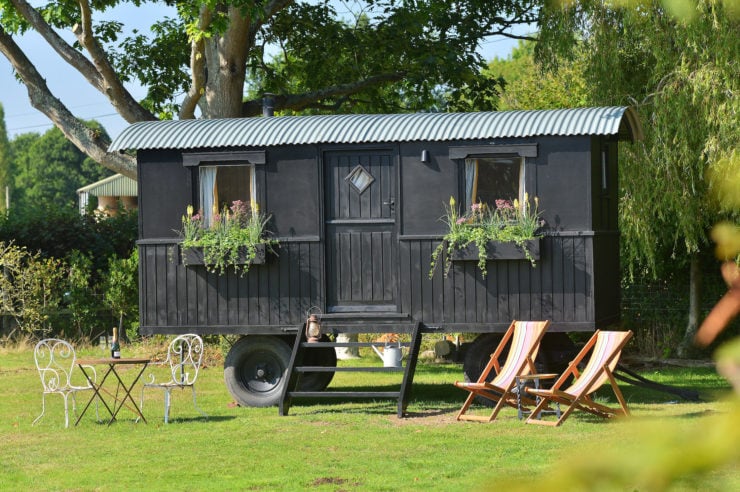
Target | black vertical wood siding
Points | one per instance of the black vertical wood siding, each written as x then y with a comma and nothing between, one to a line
559,287
322,261
279,293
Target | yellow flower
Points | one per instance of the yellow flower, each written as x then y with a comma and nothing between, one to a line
452,201
255,207
190,211
516,203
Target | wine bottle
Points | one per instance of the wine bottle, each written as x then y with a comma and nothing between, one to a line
115,348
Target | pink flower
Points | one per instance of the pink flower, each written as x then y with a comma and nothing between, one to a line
501,203
239,207
461,220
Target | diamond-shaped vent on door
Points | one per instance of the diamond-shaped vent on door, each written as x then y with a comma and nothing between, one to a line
360,178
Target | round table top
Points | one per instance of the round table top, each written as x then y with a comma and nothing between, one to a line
111,360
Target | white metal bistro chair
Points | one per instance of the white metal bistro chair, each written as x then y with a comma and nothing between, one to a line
55,361
184,356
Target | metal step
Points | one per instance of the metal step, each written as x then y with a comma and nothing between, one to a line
345,394
352,344
296,369
346,369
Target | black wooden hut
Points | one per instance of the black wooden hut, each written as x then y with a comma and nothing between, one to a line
356,202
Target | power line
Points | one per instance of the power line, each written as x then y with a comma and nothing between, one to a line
45,125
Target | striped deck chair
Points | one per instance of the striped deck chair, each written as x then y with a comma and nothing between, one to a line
605,348
525,337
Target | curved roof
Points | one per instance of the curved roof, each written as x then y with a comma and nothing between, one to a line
375,128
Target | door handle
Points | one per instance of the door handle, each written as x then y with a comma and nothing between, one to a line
391,203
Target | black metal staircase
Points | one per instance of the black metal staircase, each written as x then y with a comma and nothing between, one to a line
296,369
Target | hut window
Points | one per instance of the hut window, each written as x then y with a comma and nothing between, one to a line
488,179
220,186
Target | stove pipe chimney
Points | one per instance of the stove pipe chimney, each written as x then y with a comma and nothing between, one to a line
268,104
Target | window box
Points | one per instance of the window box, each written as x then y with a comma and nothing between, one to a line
496,250
194,256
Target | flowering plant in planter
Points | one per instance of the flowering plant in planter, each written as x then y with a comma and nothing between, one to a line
234,238
509,222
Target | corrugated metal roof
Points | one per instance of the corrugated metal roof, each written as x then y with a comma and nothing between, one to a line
116,185
371,128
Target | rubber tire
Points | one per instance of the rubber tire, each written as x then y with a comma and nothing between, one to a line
556,350
479,353
251,354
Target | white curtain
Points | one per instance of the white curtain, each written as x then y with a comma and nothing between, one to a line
207,192
471,169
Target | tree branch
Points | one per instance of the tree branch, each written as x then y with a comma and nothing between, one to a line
110,85
298,102
87,140
198,77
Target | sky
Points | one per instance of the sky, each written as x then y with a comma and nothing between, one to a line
79,97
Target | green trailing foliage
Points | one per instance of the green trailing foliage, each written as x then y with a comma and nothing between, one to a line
231,239
508,222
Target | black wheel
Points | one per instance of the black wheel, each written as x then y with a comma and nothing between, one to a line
556,350
321,357
255,370
477,357
479,353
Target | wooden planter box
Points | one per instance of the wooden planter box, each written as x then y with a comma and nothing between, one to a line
499,251
194,256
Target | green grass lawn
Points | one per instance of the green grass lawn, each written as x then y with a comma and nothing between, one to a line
325,445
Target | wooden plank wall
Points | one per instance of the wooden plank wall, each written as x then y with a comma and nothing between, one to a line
560,288
277,293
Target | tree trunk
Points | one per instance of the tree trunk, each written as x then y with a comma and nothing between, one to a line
226,56
684,348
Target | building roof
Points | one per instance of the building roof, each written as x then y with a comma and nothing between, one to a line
376,128
116,185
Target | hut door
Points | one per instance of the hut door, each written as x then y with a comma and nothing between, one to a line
360,214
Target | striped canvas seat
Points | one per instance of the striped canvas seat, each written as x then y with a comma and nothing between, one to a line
605,348
525,337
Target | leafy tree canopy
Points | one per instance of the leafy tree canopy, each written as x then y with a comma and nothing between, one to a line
49,169
676,62
216,58
679,68
4,160
527,86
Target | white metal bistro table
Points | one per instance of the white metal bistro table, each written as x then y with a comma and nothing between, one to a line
123,390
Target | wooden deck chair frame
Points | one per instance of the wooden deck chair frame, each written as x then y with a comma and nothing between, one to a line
605,348
525,337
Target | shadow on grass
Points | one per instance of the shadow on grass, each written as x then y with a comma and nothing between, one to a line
173,420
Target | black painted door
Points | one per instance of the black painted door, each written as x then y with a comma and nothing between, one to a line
361,246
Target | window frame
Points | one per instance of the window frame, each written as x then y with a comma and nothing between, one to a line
521,151
256,160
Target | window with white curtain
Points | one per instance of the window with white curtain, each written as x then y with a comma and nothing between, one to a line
488,179
221,185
